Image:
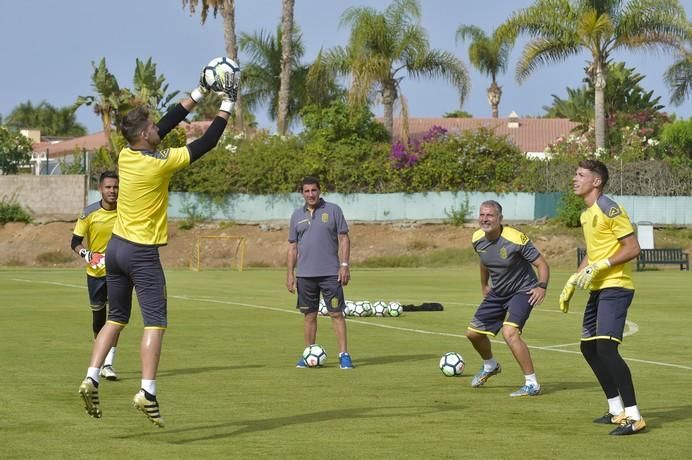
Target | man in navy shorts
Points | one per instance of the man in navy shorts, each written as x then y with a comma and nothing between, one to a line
507,261
318,253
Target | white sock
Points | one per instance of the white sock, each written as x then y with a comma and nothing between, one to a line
489,364
93,374
615,406
149,386
633,413
531,380
110,357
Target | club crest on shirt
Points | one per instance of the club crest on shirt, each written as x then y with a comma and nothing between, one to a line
503,252
613,211
325,217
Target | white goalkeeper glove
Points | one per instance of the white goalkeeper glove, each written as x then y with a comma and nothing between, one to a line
94,259
229,93
198,93
587,275
568,292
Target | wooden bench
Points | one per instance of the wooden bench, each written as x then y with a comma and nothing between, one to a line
653,257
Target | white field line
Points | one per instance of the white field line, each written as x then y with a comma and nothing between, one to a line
633,327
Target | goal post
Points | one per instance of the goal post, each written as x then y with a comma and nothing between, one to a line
226,251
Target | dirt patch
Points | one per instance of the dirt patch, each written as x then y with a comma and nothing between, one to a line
46,245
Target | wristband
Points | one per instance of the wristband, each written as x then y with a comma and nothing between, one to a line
344,264
542,285
227,106
196,95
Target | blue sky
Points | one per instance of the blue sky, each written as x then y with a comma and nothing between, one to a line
48,46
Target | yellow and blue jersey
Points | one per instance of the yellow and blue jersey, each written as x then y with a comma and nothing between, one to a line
95,226
143,199
604,224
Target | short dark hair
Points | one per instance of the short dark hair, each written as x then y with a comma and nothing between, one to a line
108,174
597,167
134,122
494,204
309,180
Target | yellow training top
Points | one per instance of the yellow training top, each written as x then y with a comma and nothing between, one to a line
95,225
143,199
604,224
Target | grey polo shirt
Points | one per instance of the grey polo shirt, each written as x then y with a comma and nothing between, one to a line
317,235
508,260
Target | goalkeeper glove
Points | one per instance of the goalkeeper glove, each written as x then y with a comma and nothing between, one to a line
587,275
229,92
198,93
567,293
95,259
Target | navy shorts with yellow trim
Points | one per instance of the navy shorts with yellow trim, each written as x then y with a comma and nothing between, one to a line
131,265
605,314
98,292
490,315
309,289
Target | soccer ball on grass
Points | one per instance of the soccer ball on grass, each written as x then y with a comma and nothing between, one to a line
314,355
394,309
362,308
379,308
452,364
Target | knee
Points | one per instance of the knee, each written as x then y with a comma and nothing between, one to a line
511,334
588,349
607,348
474,336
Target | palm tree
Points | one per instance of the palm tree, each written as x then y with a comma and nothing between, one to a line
562,28
382,46
490,56
678,77
151,88
286,63
50,120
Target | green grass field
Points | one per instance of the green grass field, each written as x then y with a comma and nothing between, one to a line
228,387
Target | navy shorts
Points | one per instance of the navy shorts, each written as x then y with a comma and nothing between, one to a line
131,265
605,314
490,315
309,289
98,292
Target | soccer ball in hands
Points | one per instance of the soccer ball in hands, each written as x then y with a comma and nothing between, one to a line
221,73
314,355
452,364
379,308
362,308
394,309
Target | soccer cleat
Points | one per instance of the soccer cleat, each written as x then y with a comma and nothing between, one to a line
629,426
527,390
148,408
90,395
108,373
301,364
607,419
483,376
345,361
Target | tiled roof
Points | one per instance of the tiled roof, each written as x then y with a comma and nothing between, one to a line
531,135
92,142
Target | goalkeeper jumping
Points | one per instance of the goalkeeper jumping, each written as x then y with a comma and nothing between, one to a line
132,255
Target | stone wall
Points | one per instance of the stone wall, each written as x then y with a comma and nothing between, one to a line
47,198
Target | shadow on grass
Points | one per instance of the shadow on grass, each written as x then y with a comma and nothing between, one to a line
391,359
660,416
236,428
188,371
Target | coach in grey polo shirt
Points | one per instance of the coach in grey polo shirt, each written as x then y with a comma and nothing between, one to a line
318,243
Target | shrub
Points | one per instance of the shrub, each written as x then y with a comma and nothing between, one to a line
569,210
10,211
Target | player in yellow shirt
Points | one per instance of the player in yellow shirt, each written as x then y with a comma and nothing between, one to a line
132,256
606,273
95,225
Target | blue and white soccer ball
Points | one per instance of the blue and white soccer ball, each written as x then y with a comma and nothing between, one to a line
379,308
452,364
323,308
219,72
394,309
350,307
314,355
362,308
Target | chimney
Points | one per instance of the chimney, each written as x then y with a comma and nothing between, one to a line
34,135
513,122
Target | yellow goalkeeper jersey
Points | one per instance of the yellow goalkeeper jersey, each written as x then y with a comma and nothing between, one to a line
95,226
604,224
143,199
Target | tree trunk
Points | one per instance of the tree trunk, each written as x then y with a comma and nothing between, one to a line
599,103
494,95
388,98
286,59
228,13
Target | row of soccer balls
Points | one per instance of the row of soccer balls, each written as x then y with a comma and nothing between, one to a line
451,363
363,308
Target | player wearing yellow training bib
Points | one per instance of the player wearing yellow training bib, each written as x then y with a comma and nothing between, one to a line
89,239
606,273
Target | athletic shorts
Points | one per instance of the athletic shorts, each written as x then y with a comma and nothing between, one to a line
131,265
605,314
98,292
491,313
309,289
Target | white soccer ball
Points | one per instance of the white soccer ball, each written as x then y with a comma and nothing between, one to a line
452,364
362,308
219,72
379,308
314,355
350,306
394,309
323,308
